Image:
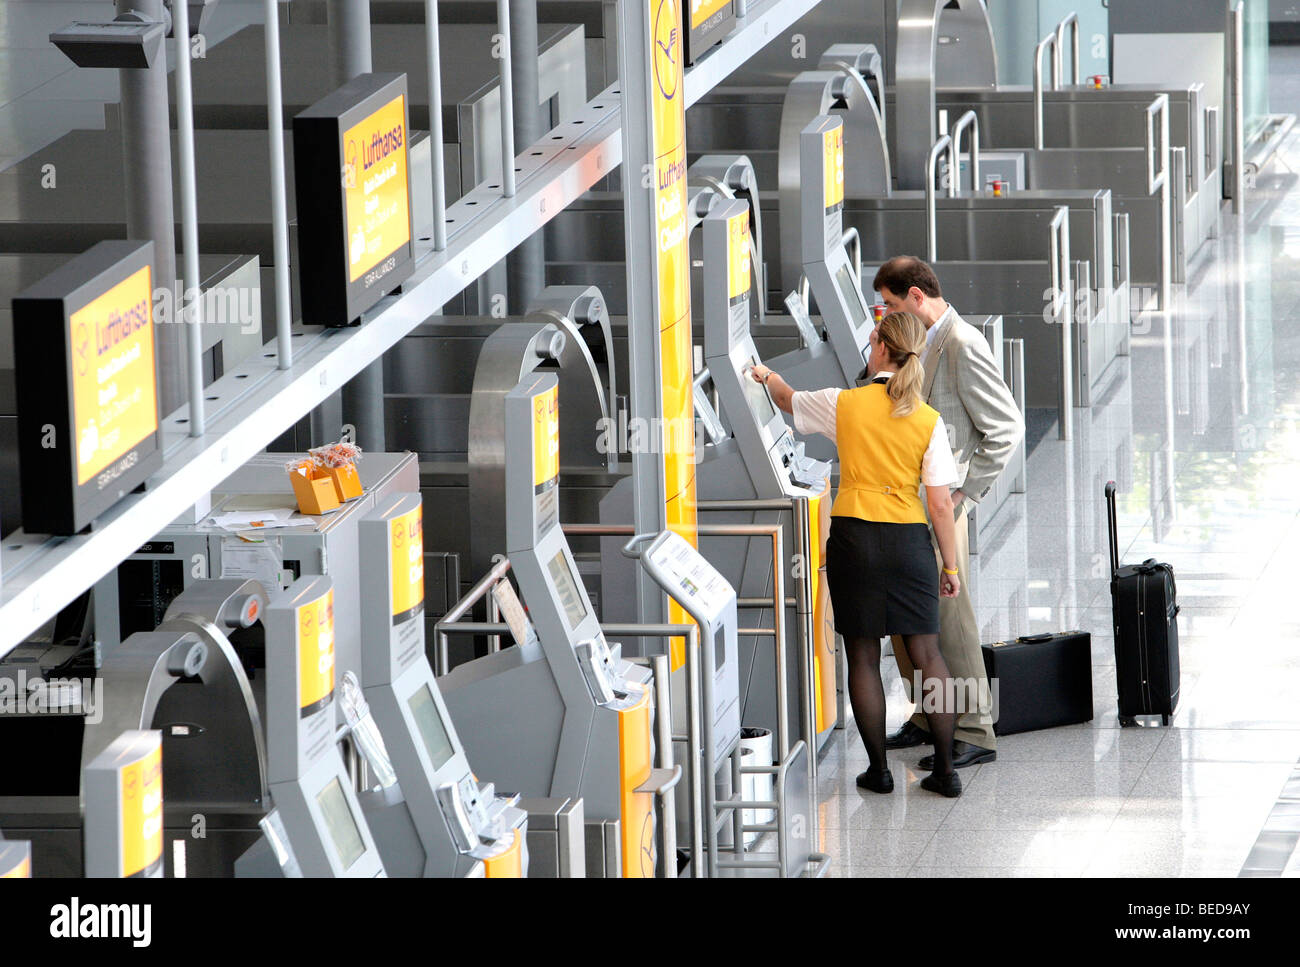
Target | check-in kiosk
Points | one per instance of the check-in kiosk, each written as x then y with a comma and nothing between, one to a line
315,804
447,824
761,460
559,713
123,789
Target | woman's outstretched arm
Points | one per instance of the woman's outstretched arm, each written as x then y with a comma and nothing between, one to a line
781,392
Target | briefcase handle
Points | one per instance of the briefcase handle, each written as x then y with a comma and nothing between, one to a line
1035,639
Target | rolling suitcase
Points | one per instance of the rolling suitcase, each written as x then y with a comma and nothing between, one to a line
1144,603
1042,681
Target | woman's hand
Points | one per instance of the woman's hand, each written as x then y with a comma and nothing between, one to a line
949,585
759,372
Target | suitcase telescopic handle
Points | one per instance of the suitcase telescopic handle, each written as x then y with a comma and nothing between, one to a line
1112,529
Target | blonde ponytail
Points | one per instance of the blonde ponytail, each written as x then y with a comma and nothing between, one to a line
903,336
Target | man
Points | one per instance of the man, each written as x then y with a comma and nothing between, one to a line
984,426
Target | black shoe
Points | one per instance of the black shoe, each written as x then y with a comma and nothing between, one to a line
963,754
882,781
949,785
908,736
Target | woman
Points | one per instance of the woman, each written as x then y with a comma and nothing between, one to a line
879,561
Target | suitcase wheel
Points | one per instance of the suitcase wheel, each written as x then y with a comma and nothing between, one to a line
1127,722
1164,720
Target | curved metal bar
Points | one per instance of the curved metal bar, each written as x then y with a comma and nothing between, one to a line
968,120
1070,20
1063,312
943,144
1048,41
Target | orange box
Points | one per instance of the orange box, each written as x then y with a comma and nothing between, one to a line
347,482
315,490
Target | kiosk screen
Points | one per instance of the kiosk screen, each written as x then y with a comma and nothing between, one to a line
425,712
567,589
852,297
756,395
341,825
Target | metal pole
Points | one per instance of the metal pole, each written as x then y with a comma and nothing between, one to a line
434,51
147,160
507,87
694,716
363,395
189,217
279,207
1237,105
526,265
803,612
664,739
778,641
349,33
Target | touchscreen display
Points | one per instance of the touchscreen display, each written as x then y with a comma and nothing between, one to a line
425,712
852,297
756,395
340,824
567,589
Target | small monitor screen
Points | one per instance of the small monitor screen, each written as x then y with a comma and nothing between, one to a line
852,297
756,395
425,712
575,609
340,824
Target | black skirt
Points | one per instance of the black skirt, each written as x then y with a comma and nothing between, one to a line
883,578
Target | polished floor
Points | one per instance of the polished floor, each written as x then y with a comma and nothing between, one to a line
1201,428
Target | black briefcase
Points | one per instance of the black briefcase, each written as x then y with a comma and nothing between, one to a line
1040,681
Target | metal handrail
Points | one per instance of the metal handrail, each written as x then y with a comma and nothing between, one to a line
483,586
1213,145
1122,262
968,120
1063,311
1158,107
1048,41
279,203
937,149
1071,20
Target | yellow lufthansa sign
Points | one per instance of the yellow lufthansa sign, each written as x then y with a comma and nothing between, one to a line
738,267
406,564
702,10
546,438
142,813
376,192
833,167
114,389
315,654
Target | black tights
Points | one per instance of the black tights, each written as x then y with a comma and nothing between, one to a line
867,695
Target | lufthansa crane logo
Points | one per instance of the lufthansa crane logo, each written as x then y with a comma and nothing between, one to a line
83,349
399,534
667,48
648,846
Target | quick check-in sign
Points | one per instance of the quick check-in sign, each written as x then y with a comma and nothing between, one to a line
353,190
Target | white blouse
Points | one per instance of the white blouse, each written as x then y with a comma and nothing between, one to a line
814,412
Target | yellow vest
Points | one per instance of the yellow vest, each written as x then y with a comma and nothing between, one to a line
880,456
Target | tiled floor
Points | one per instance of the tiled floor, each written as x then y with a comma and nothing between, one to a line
1201,428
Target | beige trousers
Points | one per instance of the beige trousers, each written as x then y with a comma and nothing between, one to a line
959,643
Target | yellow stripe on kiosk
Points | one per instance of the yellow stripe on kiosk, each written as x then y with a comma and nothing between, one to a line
406,564
833,168
15,860
315,654
124,807
508,864
823,631
636,808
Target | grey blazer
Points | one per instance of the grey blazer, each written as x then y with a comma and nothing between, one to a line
962,382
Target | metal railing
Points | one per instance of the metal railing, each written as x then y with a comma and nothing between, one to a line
1050,41
1071,20
937,150
968,120
1063,312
